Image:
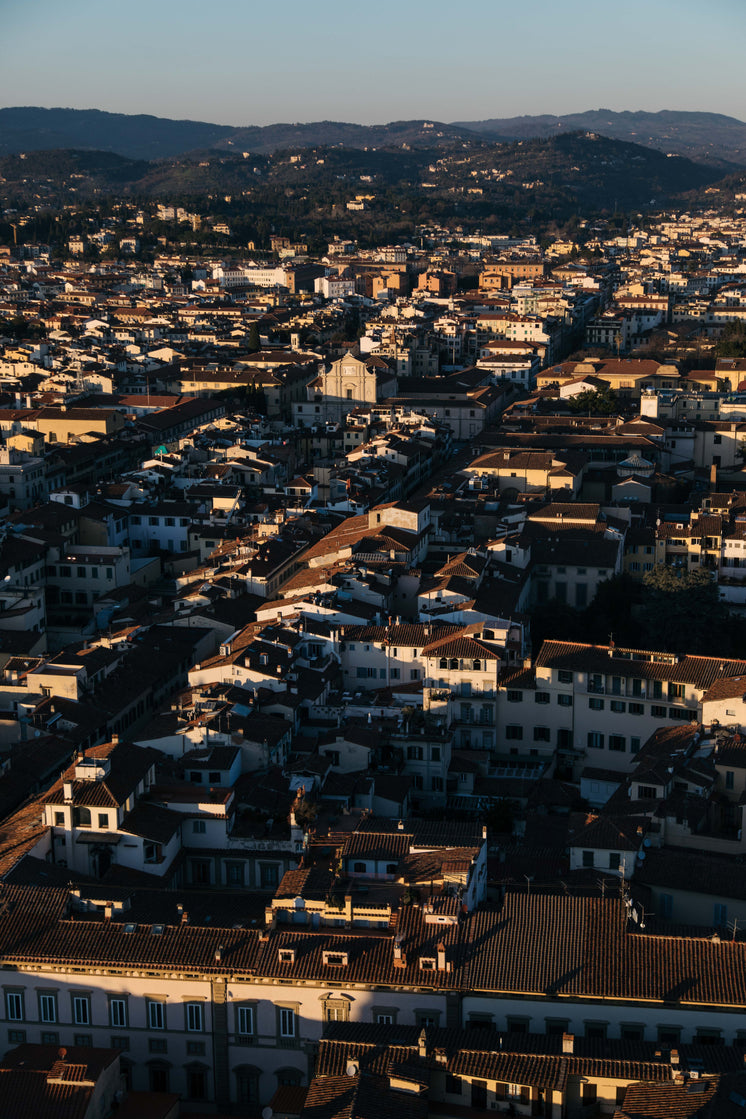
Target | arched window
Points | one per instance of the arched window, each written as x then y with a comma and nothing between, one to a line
477,666
444,662
82,817
359,868
454,662
159,1073
247,1085
289,1078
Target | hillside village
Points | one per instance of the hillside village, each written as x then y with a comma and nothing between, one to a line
312,798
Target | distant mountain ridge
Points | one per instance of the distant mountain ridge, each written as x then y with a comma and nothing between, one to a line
148,137
708,137
705,137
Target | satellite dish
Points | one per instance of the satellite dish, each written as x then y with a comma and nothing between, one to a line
641,856
267,1113
353,1068
646,842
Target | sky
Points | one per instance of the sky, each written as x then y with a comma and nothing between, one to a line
244,62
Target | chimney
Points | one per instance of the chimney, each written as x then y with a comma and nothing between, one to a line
67,790
422,1043
115,738
441,950
219,954
400,825
674,1058
568,1043
400,960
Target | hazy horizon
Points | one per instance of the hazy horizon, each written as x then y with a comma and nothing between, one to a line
238,63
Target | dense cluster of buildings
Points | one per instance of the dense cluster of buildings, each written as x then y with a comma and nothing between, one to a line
294,811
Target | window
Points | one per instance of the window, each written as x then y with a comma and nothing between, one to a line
59,819
435,753
234,874
52,1038
287,1022
194,1017
245,1021
564,700
81,1010
156,1015
453,1084
120,1043
16,1037
159,1078
632,1032
336,1010
82,817
565,676
14,1006
729,779
596,704
615,860
588,858
118,1013
596,1031
269,876
647,792
47,1007
618,706
595,740
658,712
637,708
542,734
199,827
196,1048
669,1035
514,696
634,745
617,742
385,1019
542,697
514,731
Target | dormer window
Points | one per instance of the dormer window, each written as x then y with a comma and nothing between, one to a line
335,959
286,955
427,963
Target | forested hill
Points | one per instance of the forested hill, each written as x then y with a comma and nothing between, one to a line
705,137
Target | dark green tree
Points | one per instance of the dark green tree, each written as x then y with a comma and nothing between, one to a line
253,342
602,402
682,612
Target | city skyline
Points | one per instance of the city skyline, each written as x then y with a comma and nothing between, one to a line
247,67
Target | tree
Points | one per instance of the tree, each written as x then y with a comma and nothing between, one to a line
253,342
732,342
682,612
601,402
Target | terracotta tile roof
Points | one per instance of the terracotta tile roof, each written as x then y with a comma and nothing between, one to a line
701,672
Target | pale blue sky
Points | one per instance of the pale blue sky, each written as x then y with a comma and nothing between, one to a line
254,62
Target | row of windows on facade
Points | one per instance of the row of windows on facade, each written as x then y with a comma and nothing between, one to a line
65,571
338,1010
383,673
157,1014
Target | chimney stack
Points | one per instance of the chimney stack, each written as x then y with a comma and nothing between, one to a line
568,1043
